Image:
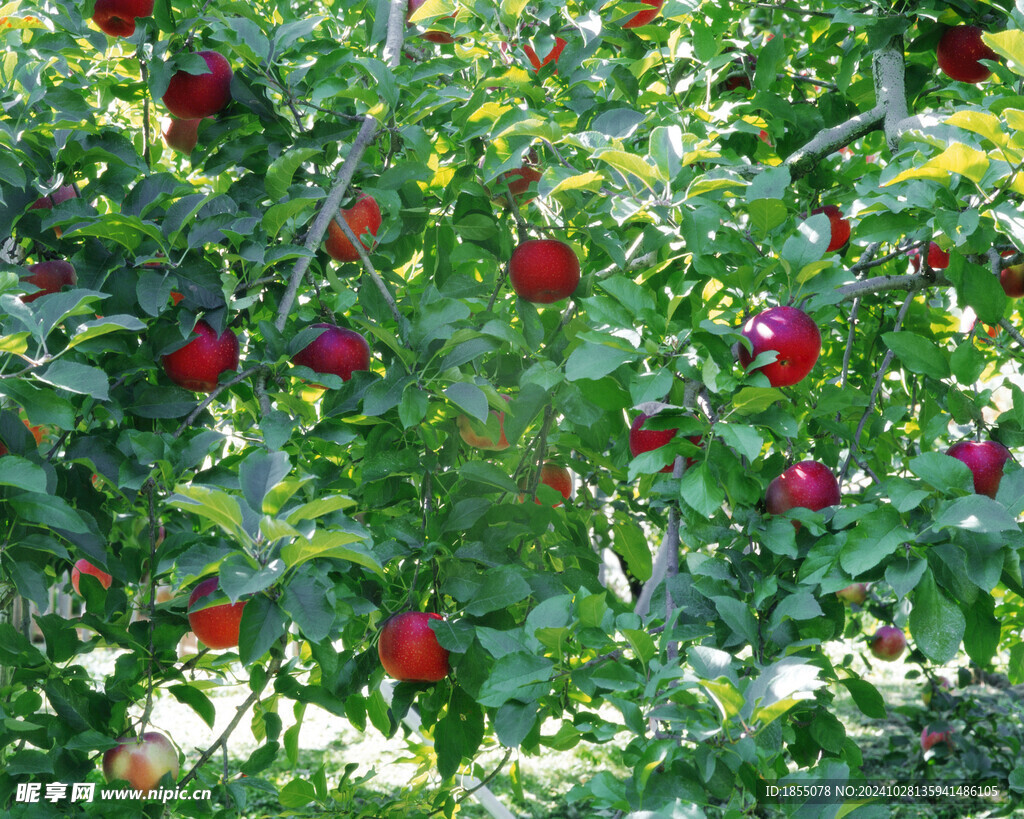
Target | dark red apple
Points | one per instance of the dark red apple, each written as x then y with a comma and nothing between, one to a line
194,96
552,56
642,18
117,17
644,440
141,761
888,643
62,194
49,277
792,334
199,364
364,218
1012,280
808,484
544,271
408,648
840,227
182,134
215,626
337,351
985,459
83,566
960,51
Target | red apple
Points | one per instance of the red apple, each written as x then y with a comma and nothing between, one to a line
642,18
855,593
555,476
644,440
62,194
194,96
49,277
117,17
83,566
364,218
959,53
789,332
480,441
141,761
181,134
840,227
929,739
199,364
516,183
408,648
808,485
216,626
337,351
552,55
985,459
431,36
938,259
1012,280
888,643
544,271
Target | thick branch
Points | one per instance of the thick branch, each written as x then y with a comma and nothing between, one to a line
910,282
889,69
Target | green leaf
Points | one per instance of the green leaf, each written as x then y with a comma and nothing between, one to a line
263,624
196,700
904,573
487,473
942,471
918,354
469,398
700,491
77,378
108,324
502,587
975,513
746,440
15,471
458,733
279,175
981,637
936,623
866,697
873,539
516,676
595,361
631,544
259,473
628,165
49,510
333,545
737,615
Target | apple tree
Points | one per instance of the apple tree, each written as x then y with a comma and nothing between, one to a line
369,326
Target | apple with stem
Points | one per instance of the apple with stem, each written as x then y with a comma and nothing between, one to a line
807,484
194,96
555,476
337,351
889,643
839,227
552,55
141,761
83,566
49,277
642,18
789,332
644,440
408,648
215,626
199,364
543,271
985,459
364,219
959,54
117,17
855,593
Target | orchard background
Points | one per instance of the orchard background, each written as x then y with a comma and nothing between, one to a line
688,198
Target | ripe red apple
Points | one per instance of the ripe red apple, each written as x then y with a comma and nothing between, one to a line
938,259
1012,280
181,134
855,593
141,761
792,334
408,648
199,364
49,277
985,460
555,476
364,218
337,351
644,440
117,17
552,55
216,626
642,18
83,566
840,226
544,270
888,643
194,96
807,484
517,184
959,52
431,36
480,441
929,739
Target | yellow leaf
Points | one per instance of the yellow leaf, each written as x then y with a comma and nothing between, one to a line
957,158
1010,46
979,122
